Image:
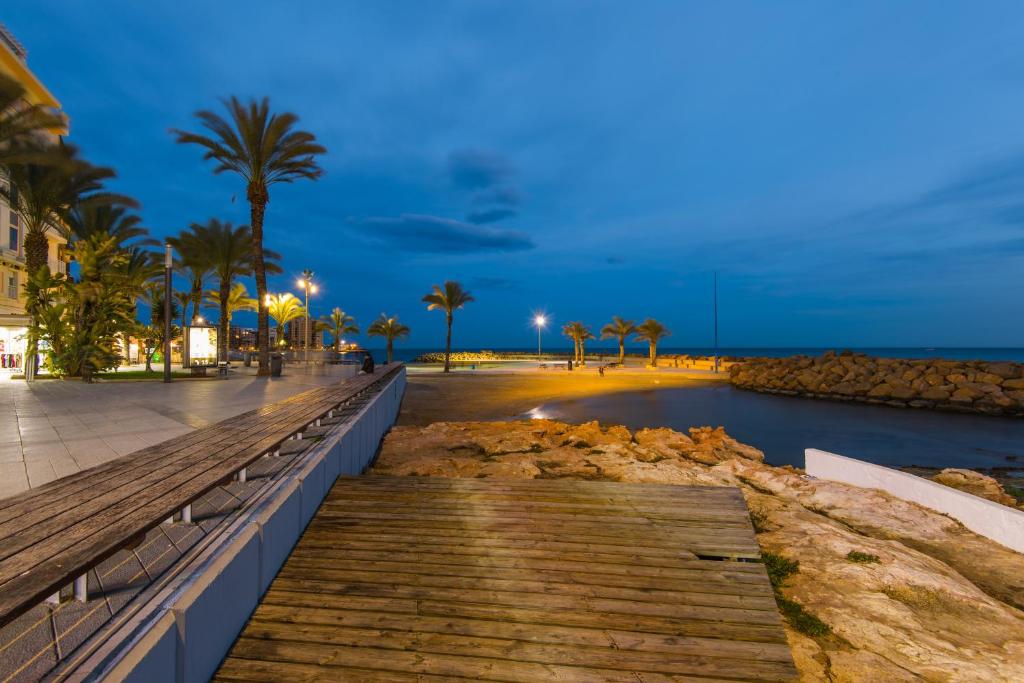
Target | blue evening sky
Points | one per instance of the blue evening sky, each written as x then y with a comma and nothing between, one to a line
854,171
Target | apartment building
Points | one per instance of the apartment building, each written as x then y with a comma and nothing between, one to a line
13,321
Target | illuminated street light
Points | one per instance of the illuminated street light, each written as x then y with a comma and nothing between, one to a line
307,286
540,321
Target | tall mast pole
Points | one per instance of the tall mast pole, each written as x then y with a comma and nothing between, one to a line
716,322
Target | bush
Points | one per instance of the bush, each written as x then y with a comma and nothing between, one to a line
779,568
861,558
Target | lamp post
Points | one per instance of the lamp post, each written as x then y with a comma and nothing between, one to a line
540,321
306,282
716,322
168,265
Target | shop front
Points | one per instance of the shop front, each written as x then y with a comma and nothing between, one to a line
13,333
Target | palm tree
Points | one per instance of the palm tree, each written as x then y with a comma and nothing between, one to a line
181,300
619,328
228,253
390,329
194,261
449,299
21,122
263,149
43,191
579,333
238,299
89,218
651,331
338,324
283,308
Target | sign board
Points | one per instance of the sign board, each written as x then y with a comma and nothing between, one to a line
200,346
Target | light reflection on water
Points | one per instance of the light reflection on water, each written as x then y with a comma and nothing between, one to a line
784,426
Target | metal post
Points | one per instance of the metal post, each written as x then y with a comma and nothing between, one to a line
82,588
538,343
168,264
716,322
305,346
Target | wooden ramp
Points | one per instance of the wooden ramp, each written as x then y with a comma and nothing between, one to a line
409,578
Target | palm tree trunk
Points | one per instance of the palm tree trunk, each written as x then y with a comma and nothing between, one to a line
37,250
448,346
197,299
390,346
654,354
622,350
583,352
257,207
225,323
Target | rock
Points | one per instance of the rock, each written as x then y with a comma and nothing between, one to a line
936,394
941,603
976,484
964,386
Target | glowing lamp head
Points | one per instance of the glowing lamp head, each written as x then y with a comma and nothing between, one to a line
266,300
540,321
199,319
312,288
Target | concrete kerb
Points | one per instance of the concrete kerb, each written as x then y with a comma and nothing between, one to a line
213,595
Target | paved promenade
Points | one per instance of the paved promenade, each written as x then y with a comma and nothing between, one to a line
54,428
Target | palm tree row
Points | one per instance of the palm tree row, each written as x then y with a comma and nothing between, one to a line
619,328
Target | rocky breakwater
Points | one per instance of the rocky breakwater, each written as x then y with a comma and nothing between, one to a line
965,386
873,588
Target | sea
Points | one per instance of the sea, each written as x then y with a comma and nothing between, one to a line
783,426
951,353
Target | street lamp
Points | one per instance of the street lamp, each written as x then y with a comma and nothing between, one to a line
540,321
306,283
168,265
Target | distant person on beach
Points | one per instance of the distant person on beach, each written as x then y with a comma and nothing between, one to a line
570,365
368,364
600,371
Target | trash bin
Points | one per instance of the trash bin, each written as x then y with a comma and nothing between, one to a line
247,359
276,363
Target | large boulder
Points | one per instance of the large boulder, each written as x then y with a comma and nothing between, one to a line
975,483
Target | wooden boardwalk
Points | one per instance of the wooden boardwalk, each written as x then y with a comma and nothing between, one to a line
406,578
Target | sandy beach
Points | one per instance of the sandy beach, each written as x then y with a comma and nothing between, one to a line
482,395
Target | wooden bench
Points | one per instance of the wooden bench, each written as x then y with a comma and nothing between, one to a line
52,535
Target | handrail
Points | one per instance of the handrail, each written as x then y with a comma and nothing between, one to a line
48,542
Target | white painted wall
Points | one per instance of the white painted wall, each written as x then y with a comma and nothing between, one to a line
1000,523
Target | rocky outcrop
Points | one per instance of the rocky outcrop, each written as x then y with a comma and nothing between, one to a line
975,483
965,386
908,593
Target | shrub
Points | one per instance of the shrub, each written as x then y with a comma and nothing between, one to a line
779,568
861,558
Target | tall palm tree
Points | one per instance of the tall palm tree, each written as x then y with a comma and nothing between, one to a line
449,299
283,308
237,299
338,324
651,331
390,329
619,328
21,122
263,149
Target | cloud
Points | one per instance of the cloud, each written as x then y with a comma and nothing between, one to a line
473,169
490,215
614,260
486,176
432,234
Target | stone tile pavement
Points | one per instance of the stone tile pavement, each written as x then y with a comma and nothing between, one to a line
54,428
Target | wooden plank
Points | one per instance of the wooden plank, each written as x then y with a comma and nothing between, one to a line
518,581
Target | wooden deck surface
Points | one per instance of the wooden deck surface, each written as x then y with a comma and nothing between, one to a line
406,578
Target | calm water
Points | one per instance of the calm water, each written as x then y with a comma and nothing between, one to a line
1015,354
784,426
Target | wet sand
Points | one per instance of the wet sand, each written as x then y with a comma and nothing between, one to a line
436,397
